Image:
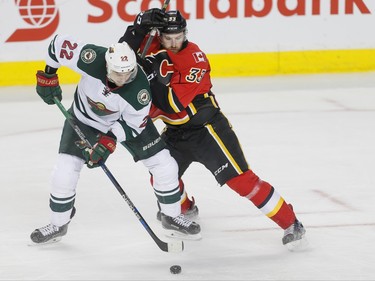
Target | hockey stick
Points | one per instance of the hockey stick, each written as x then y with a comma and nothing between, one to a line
176,246
153,32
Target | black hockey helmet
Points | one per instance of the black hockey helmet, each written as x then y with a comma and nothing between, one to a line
176,23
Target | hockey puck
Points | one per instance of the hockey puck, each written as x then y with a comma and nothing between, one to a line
175,269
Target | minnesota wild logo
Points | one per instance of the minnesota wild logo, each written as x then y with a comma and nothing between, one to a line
88,56
143,97
99,108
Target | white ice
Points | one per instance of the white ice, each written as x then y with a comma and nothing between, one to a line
312,137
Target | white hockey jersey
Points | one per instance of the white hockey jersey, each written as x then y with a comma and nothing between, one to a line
95,103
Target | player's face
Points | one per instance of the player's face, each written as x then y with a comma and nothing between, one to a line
120,78
172,42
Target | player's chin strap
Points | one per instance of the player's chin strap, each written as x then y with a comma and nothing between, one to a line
153,32
176,246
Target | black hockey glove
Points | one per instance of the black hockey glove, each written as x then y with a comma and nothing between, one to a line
47,86
148,68
149,19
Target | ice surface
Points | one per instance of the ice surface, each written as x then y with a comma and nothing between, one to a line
312,137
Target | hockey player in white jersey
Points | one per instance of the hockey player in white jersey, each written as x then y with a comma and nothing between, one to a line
111,105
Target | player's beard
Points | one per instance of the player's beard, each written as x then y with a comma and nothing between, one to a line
174,50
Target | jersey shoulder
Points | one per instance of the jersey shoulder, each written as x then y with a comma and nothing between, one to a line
190,56
92,61
137,93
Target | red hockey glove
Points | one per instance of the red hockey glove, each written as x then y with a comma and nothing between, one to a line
100,151
47,86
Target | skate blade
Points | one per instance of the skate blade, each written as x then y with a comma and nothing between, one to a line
52,241
193,217
298,246
182,236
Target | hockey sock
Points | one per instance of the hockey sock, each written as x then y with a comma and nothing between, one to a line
264,197
185,201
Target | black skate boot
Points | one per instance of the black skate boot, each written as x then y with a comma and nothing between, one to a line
50,233
191,213
294,237
181,227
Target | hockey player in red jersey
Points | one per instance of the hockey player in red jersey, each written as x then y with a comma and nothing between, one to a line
196,129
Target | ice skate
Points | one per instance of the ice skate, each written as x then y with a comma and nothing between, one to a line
49,234
294,237
191,213
181,227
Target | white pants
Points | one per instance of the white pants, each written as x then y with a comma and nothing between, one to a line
164,169
64,181
67,170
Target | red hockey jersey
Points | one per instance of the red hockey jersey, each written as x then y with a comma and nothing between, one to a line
187,74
